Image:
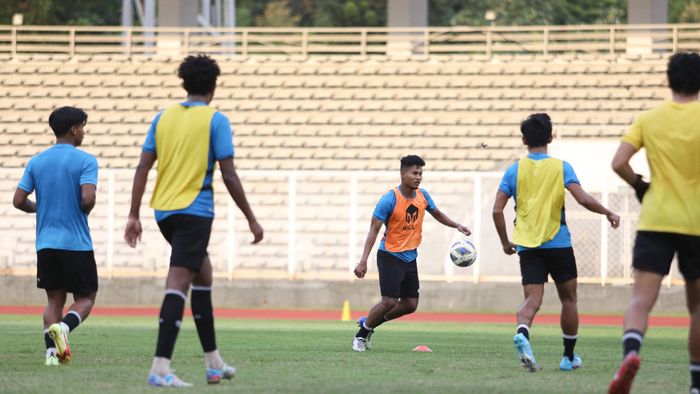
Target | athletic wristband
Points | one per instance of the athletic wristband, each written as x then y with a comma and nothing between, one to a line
640,187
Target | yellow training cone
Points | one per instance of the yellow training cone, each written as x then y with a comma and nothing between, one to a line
345,316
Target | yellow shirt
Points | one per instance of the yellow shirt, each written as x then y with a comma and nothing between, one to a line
671,135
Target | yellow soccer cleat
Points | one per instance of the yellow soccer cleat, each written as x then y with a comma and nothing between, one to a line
60,338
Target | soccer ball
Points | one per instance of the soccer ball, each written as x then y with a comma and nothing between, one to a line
463,253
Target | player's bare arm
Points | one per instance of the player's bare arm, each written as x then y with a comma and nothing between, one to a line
374,227
445,220
132,233
587,201
88,195
621,166
22,202
235,189
500,221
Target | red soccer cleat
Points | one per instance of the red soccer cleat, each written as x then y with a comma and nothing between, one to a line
622,382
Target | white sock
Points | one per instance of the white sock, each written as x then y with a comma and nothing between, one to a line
65,327
51,351
213,360
161,366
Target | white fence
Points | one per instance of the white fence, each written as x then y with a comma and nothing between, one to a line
609,40
315,226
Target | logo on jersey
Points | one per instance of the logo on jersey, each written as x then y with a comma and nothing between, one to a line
411,214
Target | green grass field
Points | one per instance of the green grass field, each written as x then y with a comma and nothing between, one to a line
114,355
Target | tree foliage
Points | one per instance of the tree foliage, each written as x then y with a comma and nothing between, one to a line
527,12
684,11
63,12
277,14
339,13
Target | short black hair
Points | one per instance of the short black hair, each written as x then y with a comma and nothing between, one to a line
410,161
683,73
198,74
62,119
537,130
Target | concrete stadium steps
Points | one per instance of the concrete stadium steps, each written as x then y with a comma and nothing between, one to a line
335,113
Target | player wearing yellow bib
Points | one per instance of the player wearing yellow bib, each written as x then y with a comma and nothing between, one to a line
541,237
188,139
669,221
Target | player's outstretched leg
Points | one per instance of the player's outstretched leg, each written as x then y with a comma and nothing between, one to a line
376,315
525,354
60,338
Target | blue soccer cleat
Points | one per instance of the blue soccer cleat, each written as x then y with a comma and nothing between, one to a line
569,365
527,358
169,380
368,340
215,375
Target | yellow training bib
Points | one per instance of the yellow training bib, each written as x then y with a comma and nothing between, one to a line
539,201
182,150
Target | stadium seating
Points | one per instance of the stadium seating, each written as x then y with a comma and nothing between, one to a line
335,113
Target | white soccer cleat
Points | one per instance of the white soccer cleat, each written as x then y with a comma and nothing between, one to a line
368,340
358,344
51,360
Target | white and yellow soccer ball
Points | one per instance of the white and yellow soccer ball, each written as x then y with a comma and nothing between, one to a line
463,253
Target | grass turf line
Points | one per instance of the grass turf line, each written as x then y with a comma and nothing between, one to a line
114,354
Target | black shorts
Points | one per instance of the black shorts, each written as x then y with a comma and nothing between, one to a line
69,270
397,278
654,251
536,264
188,235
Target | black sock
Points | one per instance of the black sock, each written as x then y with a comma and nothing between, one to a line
695,375
631,342
72,320
523,329
170,320
202,312
363,332
569,343
48,341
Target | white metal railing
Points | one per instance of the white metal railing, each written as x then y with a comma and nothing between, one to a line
612,40
315,226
